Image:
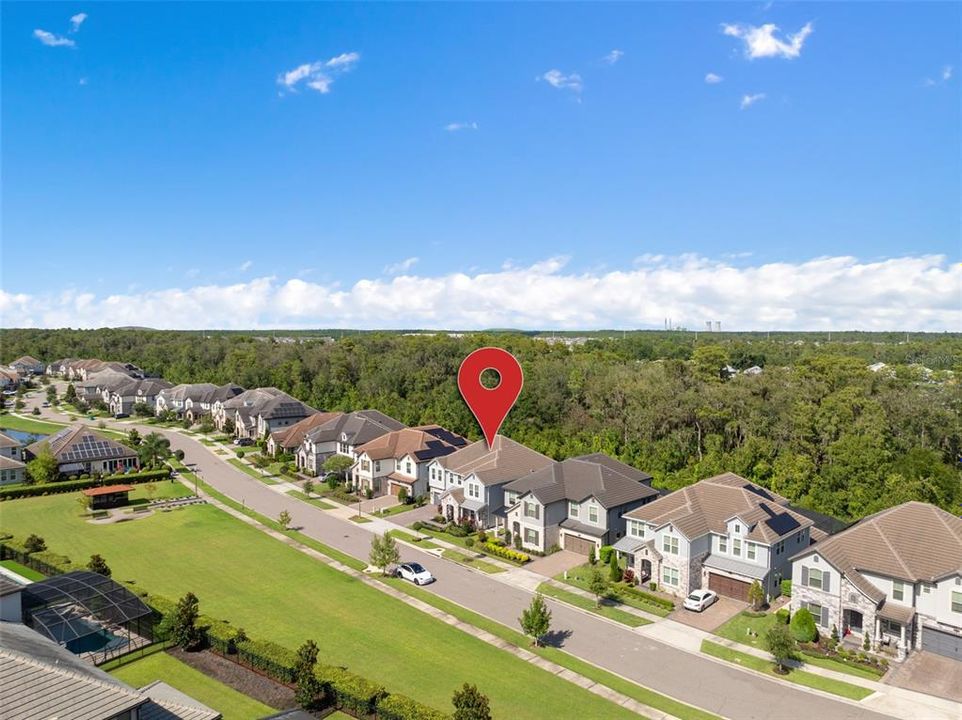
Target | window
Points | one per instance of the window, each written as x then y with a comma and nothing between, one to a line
365,465
926,588
669,576
670,544
592,514
636,529
750,549
407,467
890,627
377,466
531,536
531,510
723,544
898,590
573,509
819,613
957,602
813,577
737,546
738,529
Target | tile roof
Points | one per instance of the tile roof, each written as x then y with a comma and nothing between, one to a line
283,406
9,463
610,482
107,490
915,541
26,360
180,393
293,436
504,461
360,427
709,504
7,441
424,443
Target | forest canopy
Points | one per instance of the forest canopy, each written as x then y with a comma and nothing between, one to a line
816,425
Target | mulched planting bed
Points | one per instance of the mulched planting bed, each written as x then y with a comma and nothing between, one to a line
241,678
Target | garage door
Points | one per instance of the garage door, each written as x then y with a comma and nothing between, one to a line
729,587
396,489
941,643
578,545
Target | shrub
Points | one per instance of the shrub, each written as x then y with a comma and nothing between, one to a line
368,493
604,554
591,556
803,626
220,635
482,536
273,660
652,585
653,599
401,707
22,491
417,526
358,695
456,530
512,555
438,518
34,544
783,616
402,496
50,563
469,542
786,586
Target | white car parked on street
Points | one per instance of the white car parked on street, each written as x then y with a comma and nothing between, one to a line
698,600
415,572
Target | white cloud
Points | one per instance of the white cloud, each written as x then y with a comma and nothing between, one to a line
613,57
456,126
760,41
837,293
558,79
246,265
82,81
944,76
713,79
401,267
320,74
749,100
76,21
946,73
51,40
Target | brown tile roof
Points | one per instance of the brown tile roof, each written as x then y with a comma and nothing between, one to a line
107,490
504,461
914,541
9,463
610,482
7,441
707,506
293,436
424,443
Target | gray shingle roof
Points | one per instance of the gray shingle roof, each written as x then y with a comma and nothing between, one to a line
610,482
504,461
360,427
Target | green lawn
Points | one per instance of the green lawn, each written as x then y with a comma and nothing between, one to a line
360,518
212,693
9,422
396,510
612,613
474,562
313,501
23,570
578,577
256,474
799,677
407,537
163,490
204,550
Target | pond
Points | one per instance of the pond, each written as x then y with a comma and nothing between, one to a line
23,437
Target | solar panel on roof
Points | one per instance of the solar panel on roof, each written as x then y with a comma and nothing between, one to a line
758,491
782,523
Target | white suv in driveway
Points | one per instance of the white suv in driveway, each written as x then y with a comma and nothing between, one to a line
699,600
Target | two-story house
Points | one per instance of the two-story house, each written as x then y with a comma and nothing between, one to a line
172,399
28,365
722,533
399,460
895,575
123,398
258,411
289,439
576,504
100,385
279,413
342,436
197,407
470,482
12,469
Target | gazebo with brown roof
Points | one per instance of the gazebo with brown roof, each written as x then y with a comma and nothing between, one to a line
108,496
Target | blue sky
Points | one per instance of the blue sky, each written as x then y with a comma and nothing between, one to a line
154,149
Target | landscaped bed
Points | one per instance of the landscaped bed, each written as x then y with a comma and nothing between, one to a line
635,597
474,562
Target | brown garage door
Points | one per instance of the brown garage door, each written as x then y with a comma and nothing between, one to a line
578,545
729,587
396,489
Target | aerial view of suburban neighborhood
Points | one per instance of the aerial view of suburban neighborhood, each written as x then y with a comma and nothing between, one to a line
481,361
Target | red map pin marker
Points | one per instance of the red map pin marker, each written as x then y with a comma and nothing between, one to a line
490,405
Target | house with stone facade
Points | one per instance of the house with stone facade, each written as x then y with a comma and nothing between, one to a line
258,411
895,575
469,483
577,504
342,435
722,533
399,460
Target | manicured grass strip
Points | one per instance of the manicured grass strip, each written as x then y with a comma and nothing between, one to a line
161,666
407,537
208,443
360,518
838,665
313,501
9,422
251,471
23,570
612,613
592,672
396,510
799,677
481,565
577,577
219,451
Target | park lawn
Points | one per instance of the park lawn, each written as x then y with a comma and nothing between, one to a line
163,490
23,570
11,422
612,613
737,629
799,677
256,474
313,501
206,551
232,704
455,556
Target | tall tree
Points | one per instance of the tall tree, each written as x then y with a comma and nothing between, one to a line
44,467
597,584
384,552
309,687
535,619
183,628
781,645
153,449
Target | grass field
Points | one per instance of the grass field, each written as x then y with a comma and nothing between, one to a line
204,550
799,677
22,570
9,422
256,474
212,693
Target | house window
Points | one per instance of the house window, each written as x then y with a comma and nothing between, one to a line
815,578
819,613
407,467
670,544
473,491
592,514
669,576
898,590
738,529
377,466
926,588
531,510
737,546
531,536
889,627
957,602
365,465
723,544
636,529
750,550
572,509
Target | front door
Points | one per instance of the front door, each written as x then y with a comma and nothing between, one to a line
645,570
852,620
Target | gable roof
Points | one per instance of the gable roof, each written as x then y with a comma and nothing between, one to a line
360,427
283,406
7,441
504,461
709,504
610,482
26,360
180,393
425,442
291,437
9,463
78,443
134,387
914,541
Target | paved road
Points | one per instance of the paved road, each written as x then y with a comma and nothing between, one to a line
691,678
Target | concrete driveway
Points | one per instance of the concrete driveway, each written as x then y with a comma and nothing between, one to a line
929,673
721,612
556,563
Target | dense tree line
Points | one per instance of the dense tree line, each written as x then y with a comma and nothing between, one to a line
816,426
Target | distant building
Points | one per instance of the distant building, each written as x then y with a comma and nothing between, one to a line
28,365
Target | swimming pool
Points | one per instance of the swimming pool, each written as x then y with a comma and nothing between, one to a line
98,641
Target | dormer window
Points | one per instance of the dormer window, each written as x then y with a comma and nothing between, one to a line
738,528
573,509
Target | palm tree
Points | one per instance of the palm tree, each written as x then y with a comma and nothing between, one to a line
154,448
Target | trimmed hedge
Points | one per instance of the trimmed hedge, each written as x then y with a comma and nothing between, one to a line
272,659
401,707
507,553
64,486
352,692
604,554
648,597
221,635
49,563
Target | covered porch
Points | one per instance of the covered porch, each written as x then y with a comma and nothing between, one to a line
458,509
640,555
895,627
